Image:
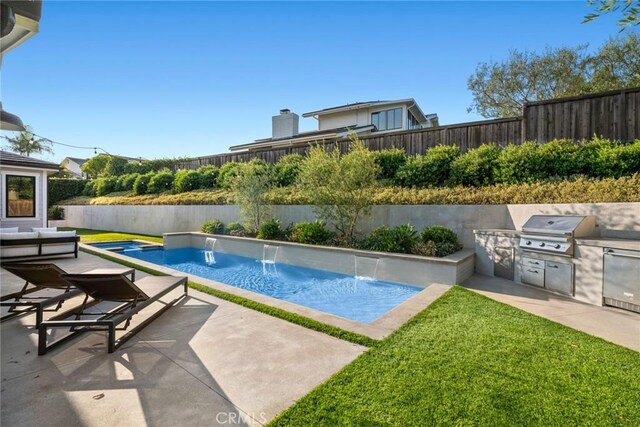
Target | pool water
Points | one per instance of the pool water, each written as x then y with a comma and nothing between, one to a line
357,299
125,245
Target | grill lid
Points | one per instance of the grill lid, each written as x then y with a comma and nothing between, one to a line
571,225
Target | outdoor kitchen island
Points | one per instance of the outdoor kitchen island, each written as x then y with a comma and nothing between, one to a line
565,255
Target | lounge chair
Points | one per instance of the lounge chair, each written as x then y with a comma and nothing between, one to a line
129,297
39,280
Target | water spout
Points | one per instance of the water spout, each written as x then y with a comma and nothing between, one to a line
366,268
269,254
209,245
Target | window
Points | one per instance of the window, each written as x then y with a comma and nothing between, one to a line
412,122
388,119
21,196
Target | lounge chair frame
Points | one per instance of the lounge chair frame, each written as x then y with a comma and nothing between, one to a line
40,304
108,321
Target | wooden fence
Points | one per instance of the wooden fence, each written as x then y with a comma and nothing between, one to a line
614,115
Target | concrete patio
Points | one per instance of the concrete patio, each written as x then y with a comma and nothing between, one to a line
206,361
617,326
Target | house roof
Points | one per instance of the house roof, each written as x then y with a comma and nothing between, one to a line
13,159
311,136
77,160
358,106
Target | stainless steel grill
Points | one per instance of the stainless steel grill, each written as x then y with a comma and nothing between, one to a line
555,233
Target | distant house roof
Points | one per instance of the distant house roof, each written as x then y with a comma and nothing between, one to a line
368,104
316,135
77,160
13,159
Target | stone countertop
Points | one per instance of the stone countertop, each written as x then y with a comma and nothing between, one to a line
497,232
606,242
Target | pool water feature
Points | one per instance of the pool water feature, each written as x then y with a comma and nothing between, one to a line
363,300
122,246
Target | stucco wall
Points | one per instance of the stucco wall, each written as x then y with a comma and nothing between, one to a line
613,218
25,224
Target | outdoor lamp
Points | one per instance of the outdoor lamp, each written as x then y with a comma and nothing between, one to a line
10,121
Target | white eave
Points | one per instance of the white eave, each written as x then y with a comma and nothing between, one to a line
22,31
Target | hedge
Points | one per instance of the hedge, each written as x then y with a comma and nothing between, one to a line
64,188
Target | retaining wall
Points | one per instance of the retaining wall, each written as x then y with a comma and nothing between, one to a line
614,219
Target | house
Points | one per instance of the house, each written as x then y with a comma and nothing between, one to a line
363,118
23,190
74,166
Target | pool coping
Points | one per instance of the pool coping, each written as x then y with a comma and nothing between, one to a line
378,329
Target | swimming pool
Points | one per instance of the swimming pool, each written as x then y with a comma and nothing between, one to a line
124,245
363,300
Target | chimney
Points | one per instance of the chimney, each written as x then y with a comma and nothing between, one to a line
285,124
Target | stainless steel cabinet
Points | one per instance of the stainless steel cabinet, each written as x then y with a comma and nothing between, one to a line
622,279
558,277
532,271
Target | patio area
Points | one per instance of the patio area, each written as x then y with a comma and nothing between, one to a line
206,361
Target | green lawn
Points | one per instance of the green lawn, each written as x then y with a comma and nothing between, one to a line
89,236
471,361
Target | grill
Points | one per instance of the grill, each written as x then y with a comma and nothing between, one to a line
555,234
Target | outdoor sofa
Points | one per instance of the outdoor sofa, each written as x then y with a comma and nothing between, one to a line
38,243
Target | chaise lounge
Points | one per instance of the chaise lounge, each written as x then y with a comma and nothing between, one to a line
130,298
44,287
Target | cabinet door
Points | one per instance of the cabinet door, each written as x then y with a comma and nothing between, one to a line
532,275
558,277
503,263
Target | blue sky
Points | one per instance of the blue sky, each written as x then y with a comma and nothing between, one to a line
174,79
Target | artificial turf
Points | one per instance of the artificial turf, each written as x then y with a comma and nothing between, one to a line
470,361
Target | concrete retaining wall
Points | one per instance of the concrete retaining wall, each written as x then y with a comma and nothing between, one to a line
614,219
410,269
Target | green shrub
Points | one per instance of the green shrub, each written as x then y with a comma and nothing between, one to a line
142,182
125,182
209,176
115,166
425,248
90,188
236,229
616,160
286,170
226,174
160,182
213,226
520,163
558,158
270,230
400,239
313,233
55,213
445,240
429,170
64,188
475,167
105,186
187,180
389,162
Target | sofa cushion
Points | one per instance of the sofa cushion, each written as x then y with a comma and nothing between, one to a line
17,236
46,229
52,234
9,230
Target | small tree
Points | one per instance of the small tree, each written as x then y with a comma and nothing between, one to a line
96,166
26,143
250,184
341,187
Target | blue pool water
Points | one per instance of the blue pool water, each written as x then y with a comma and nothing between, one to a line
335,293
126,245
